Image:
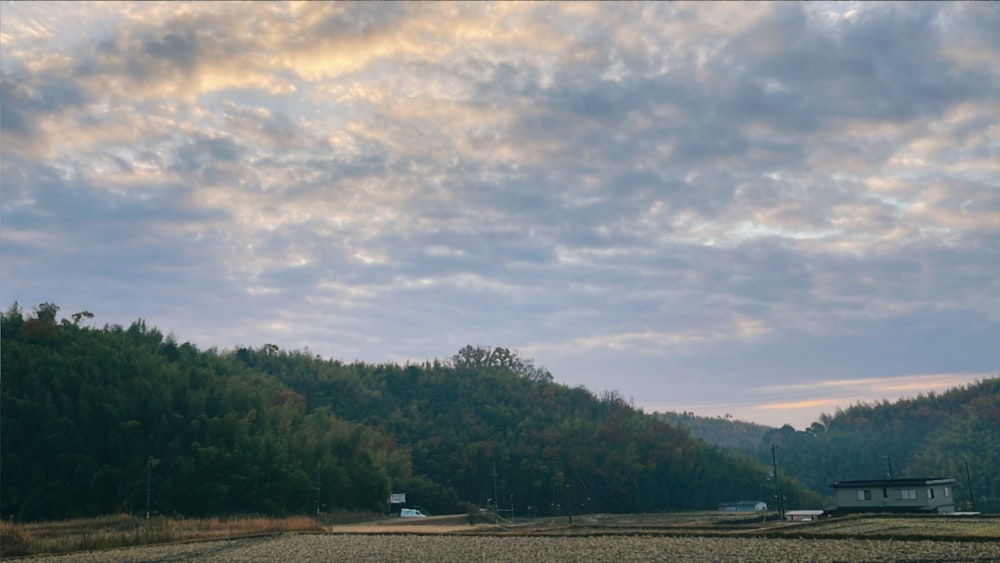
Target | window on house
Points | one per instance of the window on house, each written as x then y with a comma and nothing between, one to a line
930,493
947,492
885,492
907,494
864,495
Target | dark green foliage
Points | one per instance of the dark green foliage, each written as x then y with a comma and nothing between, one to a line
930,435
721,431
548,443
95,417
89,413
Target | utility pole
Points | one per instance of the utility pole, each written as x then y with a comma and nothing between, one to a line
319,485
149,486
569,504
496,498
968,479
777,483
888,460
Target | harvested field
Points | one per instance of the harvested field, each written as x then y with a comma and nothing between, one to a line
900,527
464,548
654,537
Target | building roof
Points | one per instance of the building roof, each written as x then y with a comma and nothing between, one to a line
909,482
743,503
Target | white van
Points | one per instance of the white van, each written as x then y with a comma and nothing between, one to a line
411,513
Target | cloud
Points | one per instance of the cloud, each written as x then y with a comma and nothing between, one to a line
636,195
842,393
30,100
811,404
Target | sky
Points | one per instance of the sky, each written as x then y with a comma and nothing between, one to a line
767,210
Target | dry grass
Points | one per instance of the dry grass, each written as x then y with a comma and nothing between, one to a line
106,532
886,526
14,540
969,538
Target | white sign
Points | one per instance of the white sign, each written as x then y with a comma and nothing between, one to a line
397,498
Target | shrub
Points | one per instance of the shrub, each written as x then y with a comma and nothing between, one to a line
14,540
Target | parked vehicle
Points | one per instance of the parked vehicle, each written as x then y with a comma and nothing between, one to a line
411,513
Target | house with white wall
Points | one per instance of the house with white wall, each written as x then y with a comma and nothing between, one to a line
924,494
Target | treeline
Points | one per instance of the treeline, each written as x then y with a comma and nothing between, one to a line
953,434
92,418
722,431
98,420
927,436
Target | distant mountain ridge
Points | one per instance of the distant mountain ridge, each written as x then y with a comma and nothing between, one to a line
721,431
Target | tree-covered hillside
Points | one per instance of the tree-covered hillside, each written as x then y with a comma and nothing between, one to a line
721,431
930,435
92,417
95,419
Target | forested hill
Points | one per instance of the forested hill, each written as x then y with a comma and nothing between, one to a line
721,431
93,419
930,435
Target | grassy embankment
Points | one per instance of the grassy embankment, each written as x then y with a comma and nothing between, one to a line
106,532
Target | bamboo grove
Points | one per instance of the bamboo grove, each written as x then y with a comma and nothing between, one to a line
111,419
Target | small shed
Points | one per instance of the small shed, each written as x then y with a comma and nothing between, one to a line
743,506
923,494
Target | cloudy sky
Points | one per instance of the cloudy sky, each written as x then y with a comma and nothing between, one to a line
768,210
